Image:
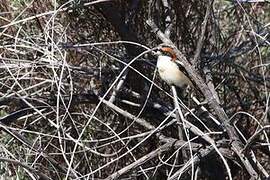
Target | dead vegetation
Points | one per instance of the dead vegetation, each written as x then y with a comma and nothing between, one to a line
80,97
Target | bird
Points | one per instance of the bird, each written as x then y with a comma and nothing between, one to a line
169,71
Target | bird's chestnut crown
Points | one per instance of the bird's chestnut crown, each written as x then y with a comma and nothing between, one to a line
169,52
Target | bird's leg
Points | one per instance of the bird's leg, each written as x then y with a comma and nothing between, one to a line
189,95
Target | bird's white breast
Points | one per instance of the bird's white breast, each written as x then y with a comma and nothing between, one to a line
170,73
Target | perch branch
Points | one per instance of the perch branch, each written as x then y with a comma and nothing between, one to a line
236,143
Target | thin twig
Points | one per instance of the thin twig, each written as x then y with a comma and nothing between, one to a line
213,102
180,119
201,39
35,171
151,155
